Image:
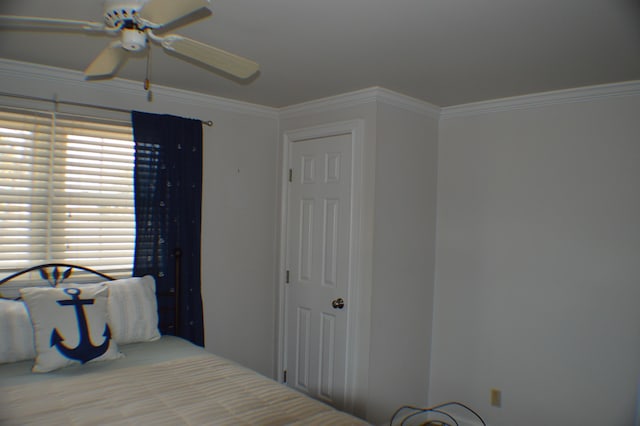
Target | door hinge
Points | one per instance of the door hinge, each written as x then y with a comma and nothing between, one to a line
286,279
290,175
284,376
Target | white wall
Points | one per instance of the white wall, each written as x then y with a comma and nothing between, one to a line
239,201
538,263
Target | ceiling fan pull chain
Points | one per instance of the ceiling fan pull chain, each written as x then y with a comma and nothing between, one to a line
147,80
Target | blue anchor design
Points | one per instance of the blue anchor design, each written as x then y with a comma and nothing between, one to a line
86,350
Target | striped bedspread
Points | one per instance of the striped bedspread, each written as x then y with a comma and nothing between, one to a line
196,390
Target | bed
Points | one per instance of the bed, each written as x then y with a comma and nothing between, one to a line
138,378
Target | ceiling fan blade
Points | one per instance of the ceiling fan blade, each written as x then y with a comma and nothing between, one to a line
107,62
163,12
31,22
211,56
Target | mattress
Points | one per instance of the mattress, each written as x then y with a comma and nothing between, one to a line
166,382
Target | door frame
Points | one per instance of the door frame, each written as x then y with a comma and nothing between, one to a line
361,248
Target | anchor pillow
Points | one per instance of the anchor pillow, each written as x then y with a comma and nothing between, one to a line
132,309
70,326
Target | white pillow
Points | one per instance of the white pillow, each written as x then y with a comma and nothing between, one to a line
70,325
133,309
16,332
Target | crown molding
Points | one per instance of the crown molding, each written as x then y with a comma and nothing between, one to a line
24,70
358,98
345,100
408,103
538,100
127,87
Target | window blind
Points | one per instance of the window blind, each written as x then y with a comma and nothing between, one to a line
66,193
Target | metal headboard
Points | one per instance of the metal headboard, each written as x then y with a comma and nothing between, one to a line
54,273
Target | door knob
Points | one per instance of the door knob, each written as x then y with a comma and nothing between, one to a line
338,303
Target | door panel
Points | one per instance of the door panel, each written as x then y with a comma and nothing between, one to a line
303,326
318,247
327,353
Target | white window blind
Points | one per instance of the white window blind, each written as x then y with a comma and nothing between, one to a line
66,193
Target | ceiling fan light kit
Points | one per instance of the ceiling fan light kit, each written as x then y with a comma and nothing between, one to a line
134,21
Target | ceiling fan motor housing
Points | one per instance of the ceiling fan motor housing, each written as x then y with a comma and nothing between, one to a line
133,40
123,14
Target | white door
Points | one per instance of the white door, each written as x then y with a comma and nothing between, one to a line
318,264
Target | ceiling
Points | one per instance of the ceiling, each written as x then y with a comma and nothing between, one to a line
446,52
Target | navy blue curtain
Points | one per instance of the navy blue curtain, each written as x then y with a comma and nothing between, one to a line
168,200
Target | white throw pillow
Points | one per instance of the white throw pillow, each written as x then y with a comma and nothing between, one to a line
133,309
70,325
16,332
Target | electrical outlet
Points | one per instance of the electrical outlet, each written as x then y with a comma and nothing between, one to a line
496,398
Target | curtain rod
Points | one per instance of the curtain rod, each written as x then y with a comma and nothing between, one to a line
79,104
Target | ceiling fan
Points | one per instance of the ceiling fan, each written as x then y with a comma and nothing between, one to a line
137,22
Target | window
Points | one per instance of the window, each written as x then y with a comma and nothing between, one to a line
66,193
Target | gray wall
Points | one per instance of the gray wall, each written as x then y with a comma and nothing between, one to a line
238,234
403,259
538,263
